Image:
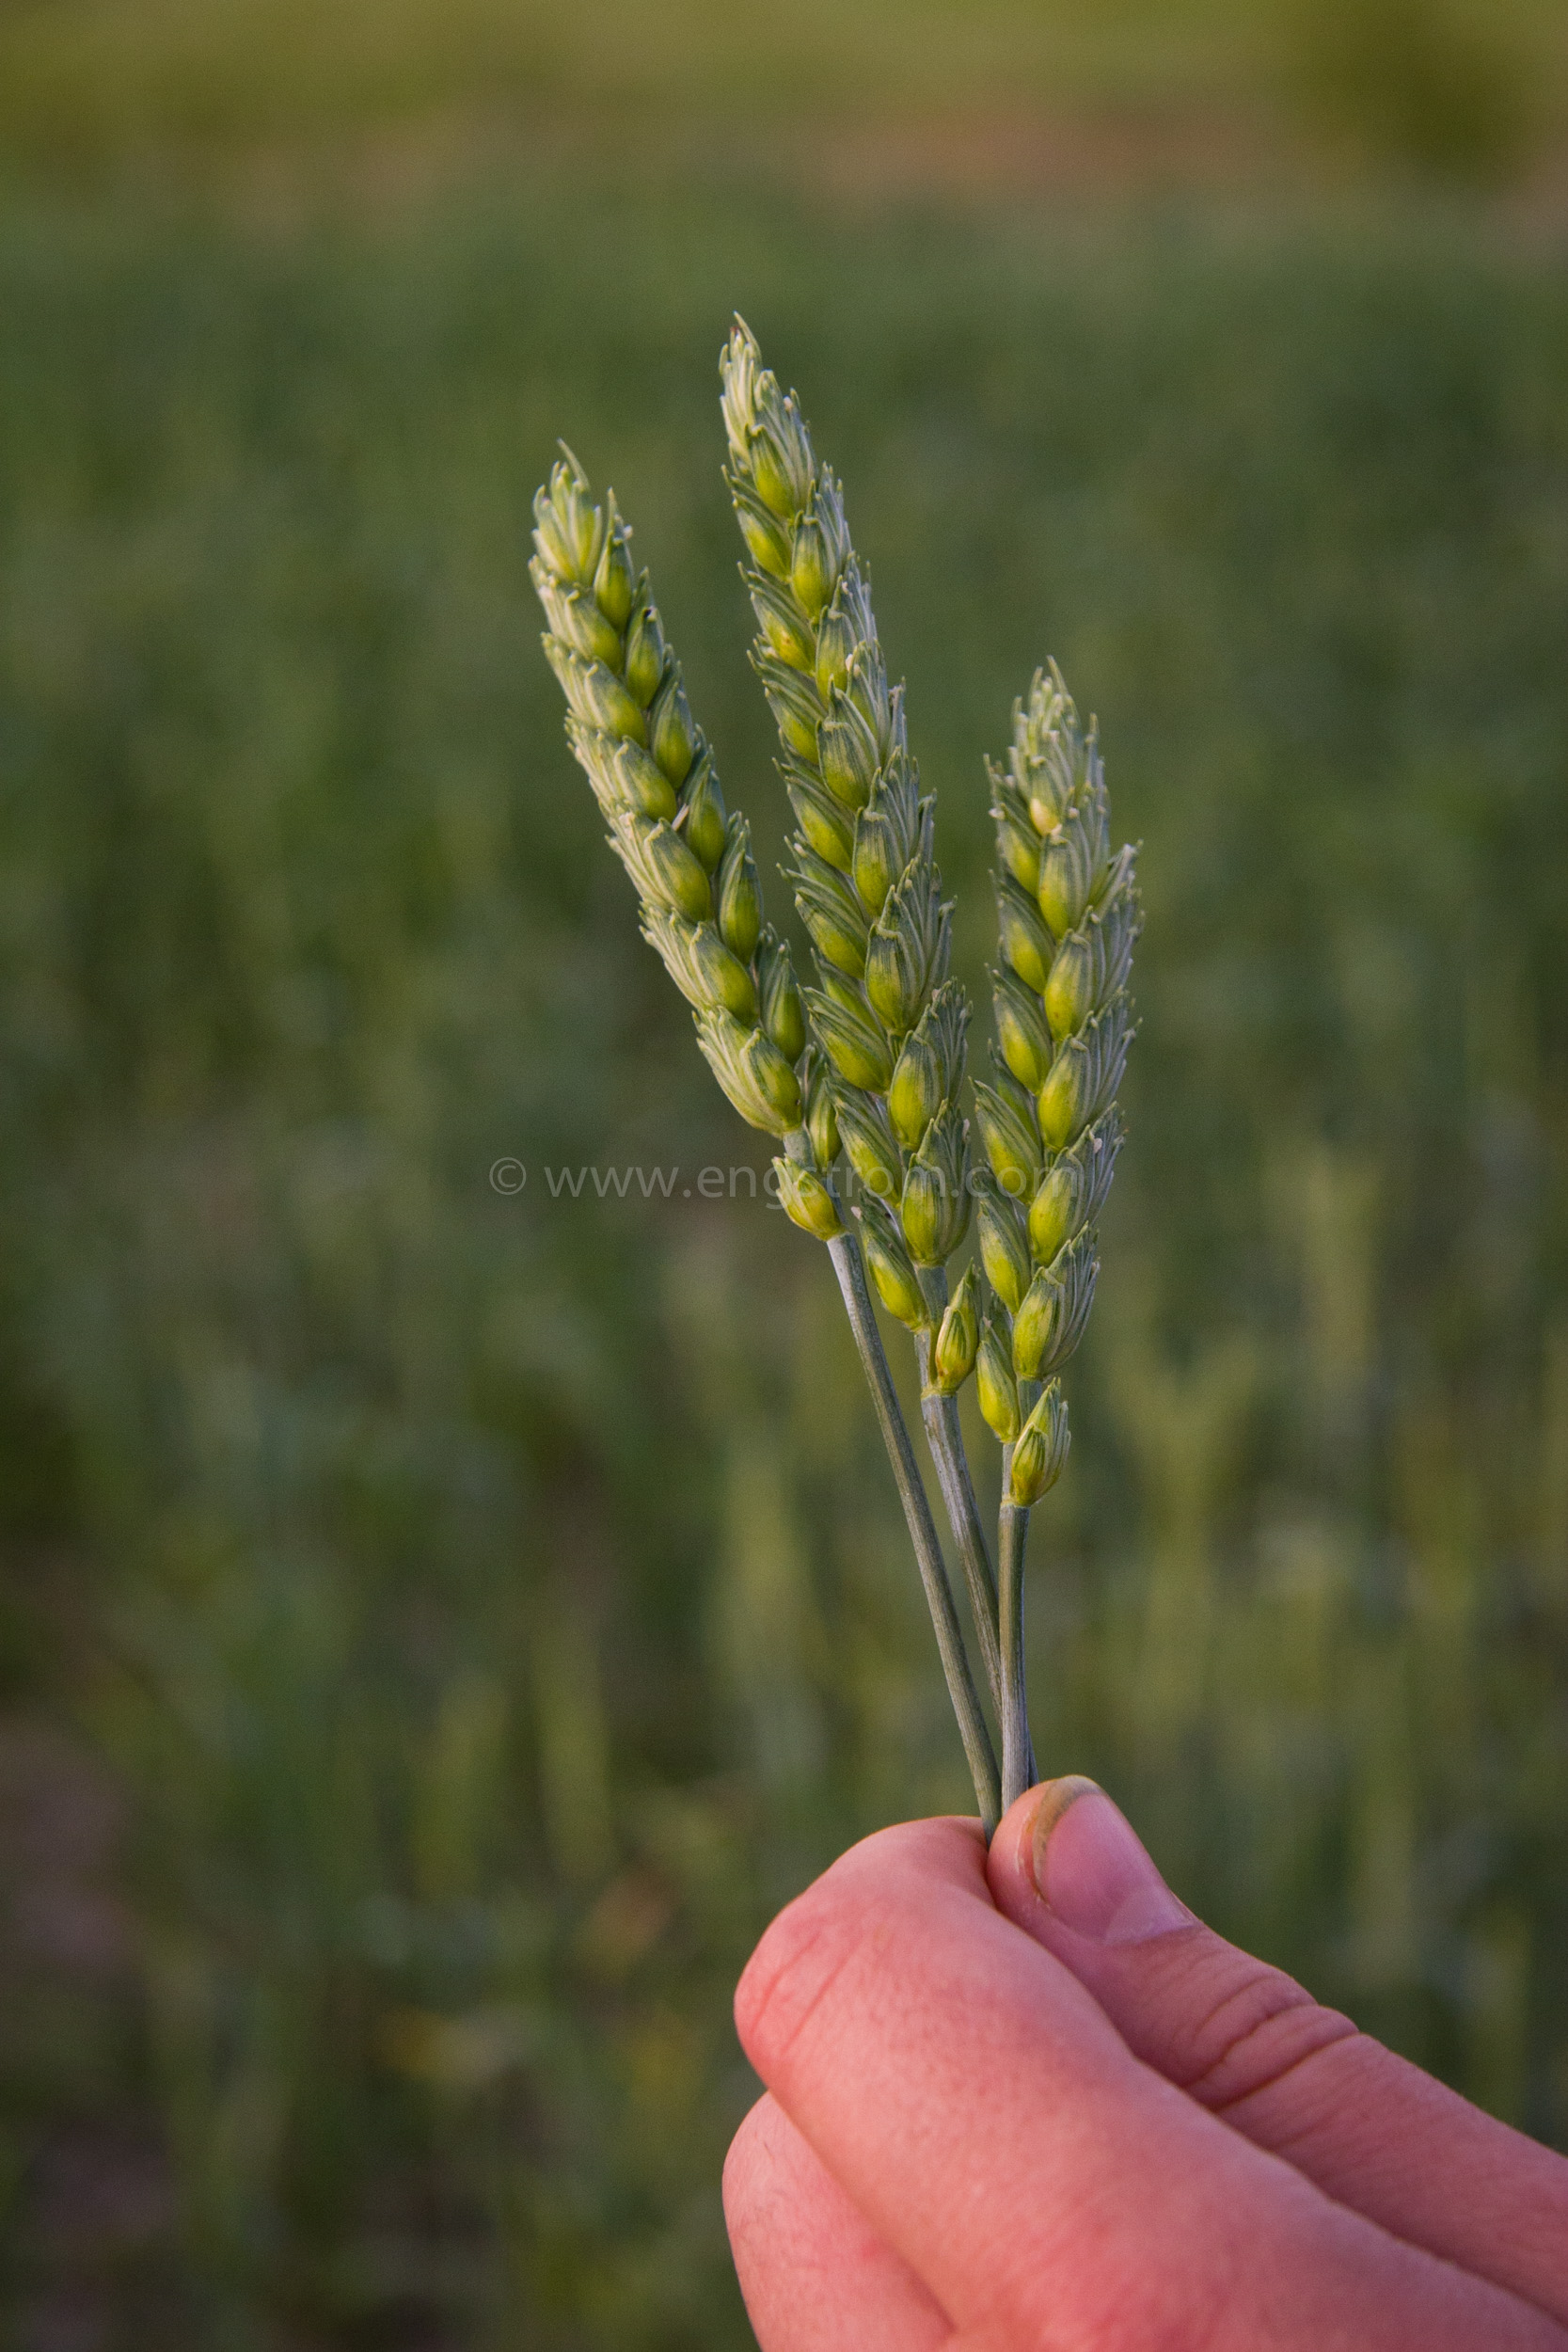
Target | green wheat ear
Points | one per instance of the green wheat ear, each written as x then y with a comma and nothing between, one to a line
652,775
891,1024
1068,917
869,1062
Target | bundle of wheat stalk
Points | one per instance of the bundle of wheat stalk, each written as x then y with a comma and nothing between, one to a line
860,1076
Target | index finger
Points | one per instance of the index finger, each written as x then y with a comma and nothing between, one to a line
988,2121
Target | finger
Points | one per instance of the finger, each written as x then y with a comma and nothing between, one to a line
1247,2043
815,2277
982,2113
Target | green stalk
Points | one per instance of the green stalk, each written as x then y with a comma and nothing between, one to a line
1017,1755
845,1252
945,1438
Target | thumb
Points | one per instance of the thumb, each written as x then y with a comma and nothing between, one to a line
1250,2045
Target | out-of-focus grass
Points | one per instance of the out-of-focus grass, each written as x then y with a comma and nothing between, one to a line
483,1611
1463,84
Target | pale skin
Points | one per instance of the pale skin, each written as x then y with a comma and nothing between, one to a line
999,2122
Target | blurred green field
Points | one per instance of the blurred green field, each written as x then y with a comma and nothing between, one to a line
1475,89
437,1628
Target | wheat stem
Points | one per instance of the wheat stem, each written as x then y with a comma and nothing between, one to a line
845,1252
1018,1755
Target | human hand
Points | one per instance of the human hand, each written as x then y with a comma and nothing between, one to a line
1025,2100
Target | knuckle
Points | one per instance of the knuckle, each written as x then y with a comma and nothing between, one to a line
1256,2027
793,1970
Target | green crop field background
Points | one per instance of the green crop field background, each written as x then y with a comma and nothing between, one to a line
437,1627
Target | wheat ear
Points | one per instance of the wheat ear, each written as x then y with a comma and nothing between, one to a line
1068,917
891,1025
653,776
